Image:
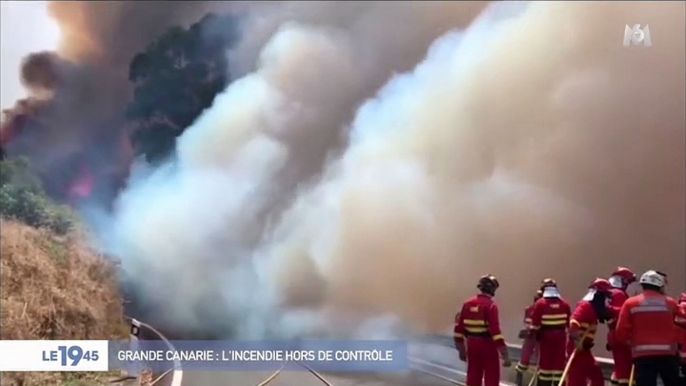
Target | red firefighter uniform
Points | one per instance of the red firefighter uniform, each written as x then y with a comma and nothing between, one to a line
620,279
459,338
478,323
549,321
584,322
529,346
680,321
621,352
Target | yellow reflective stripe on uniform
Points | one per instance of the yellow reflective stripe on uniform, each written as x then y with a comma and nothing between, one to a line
651,305
476,330
555,316
553,322
498,337
472,322
574,321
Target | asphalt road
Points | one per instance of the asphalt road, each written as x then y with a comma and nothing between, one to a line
439,361
305,378
443,362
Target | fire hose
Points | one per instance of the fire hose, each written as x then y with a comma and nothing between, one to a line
571,357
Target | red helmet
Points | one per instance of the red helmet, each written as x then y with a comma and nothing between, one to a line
548,283
682,298
625,274
601,285
488,283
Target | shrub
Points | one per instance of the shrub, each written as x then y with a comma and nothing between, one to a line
22,199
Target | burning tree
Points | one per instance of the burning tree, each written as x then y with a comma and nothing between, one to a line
176,77
83,154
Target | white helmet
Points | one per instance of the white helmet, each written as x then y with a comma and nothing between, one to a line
653,278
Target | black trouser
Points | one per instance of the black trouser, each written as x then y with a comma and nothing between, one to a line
647,370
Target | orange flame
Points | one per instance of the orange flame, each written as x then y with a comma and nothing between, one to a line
83,185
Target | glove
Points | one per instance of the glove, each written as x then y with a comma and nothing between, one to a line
463,356
607,347
523,334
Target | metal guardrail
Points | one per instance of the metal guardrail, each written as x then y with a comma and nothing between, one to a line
515,351
144,331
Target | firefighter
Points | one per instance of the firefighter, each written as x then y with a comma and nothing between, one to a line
620,279
529,344
646,323
592,310
680,321
479,324
549,320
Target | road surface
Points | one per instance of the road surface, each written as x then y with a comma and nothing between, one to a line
305,378
443,362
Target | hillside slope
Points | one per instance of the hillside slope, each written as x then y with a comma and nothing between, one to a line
55,288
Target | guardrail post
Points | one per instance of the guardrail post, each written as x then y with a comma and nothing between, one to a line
135,369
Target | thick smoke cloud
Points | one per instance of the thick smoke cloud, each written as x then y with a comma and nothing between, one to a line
531,144
77,95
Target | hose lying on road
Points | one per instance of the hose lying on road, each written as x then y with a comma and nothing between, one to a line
311,370
153,383
420,365
176,371
269,379
515,352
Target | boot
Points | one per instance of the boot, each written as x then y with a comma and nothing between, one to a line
520,379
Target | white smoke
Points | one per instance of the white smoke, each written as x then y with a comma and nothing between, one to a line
517,147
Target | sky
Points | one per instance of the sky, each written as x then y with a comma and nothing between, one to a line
25,27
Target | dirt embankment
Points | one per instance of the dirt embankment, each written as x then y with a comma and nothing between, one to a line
56,288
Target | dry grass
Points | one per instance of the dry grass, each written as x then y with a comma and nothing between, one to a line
55,288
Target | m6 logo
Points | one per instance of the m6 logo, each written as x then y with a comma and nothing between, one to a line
637,36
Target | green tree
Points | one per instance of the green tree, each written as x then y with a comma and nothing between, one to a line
176,77
22,199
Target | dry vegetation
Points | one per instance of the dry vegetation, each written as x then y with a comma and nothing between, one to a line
55,288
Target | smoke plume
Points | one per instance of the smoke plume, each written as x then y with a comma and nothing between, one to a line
75,109
320,193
